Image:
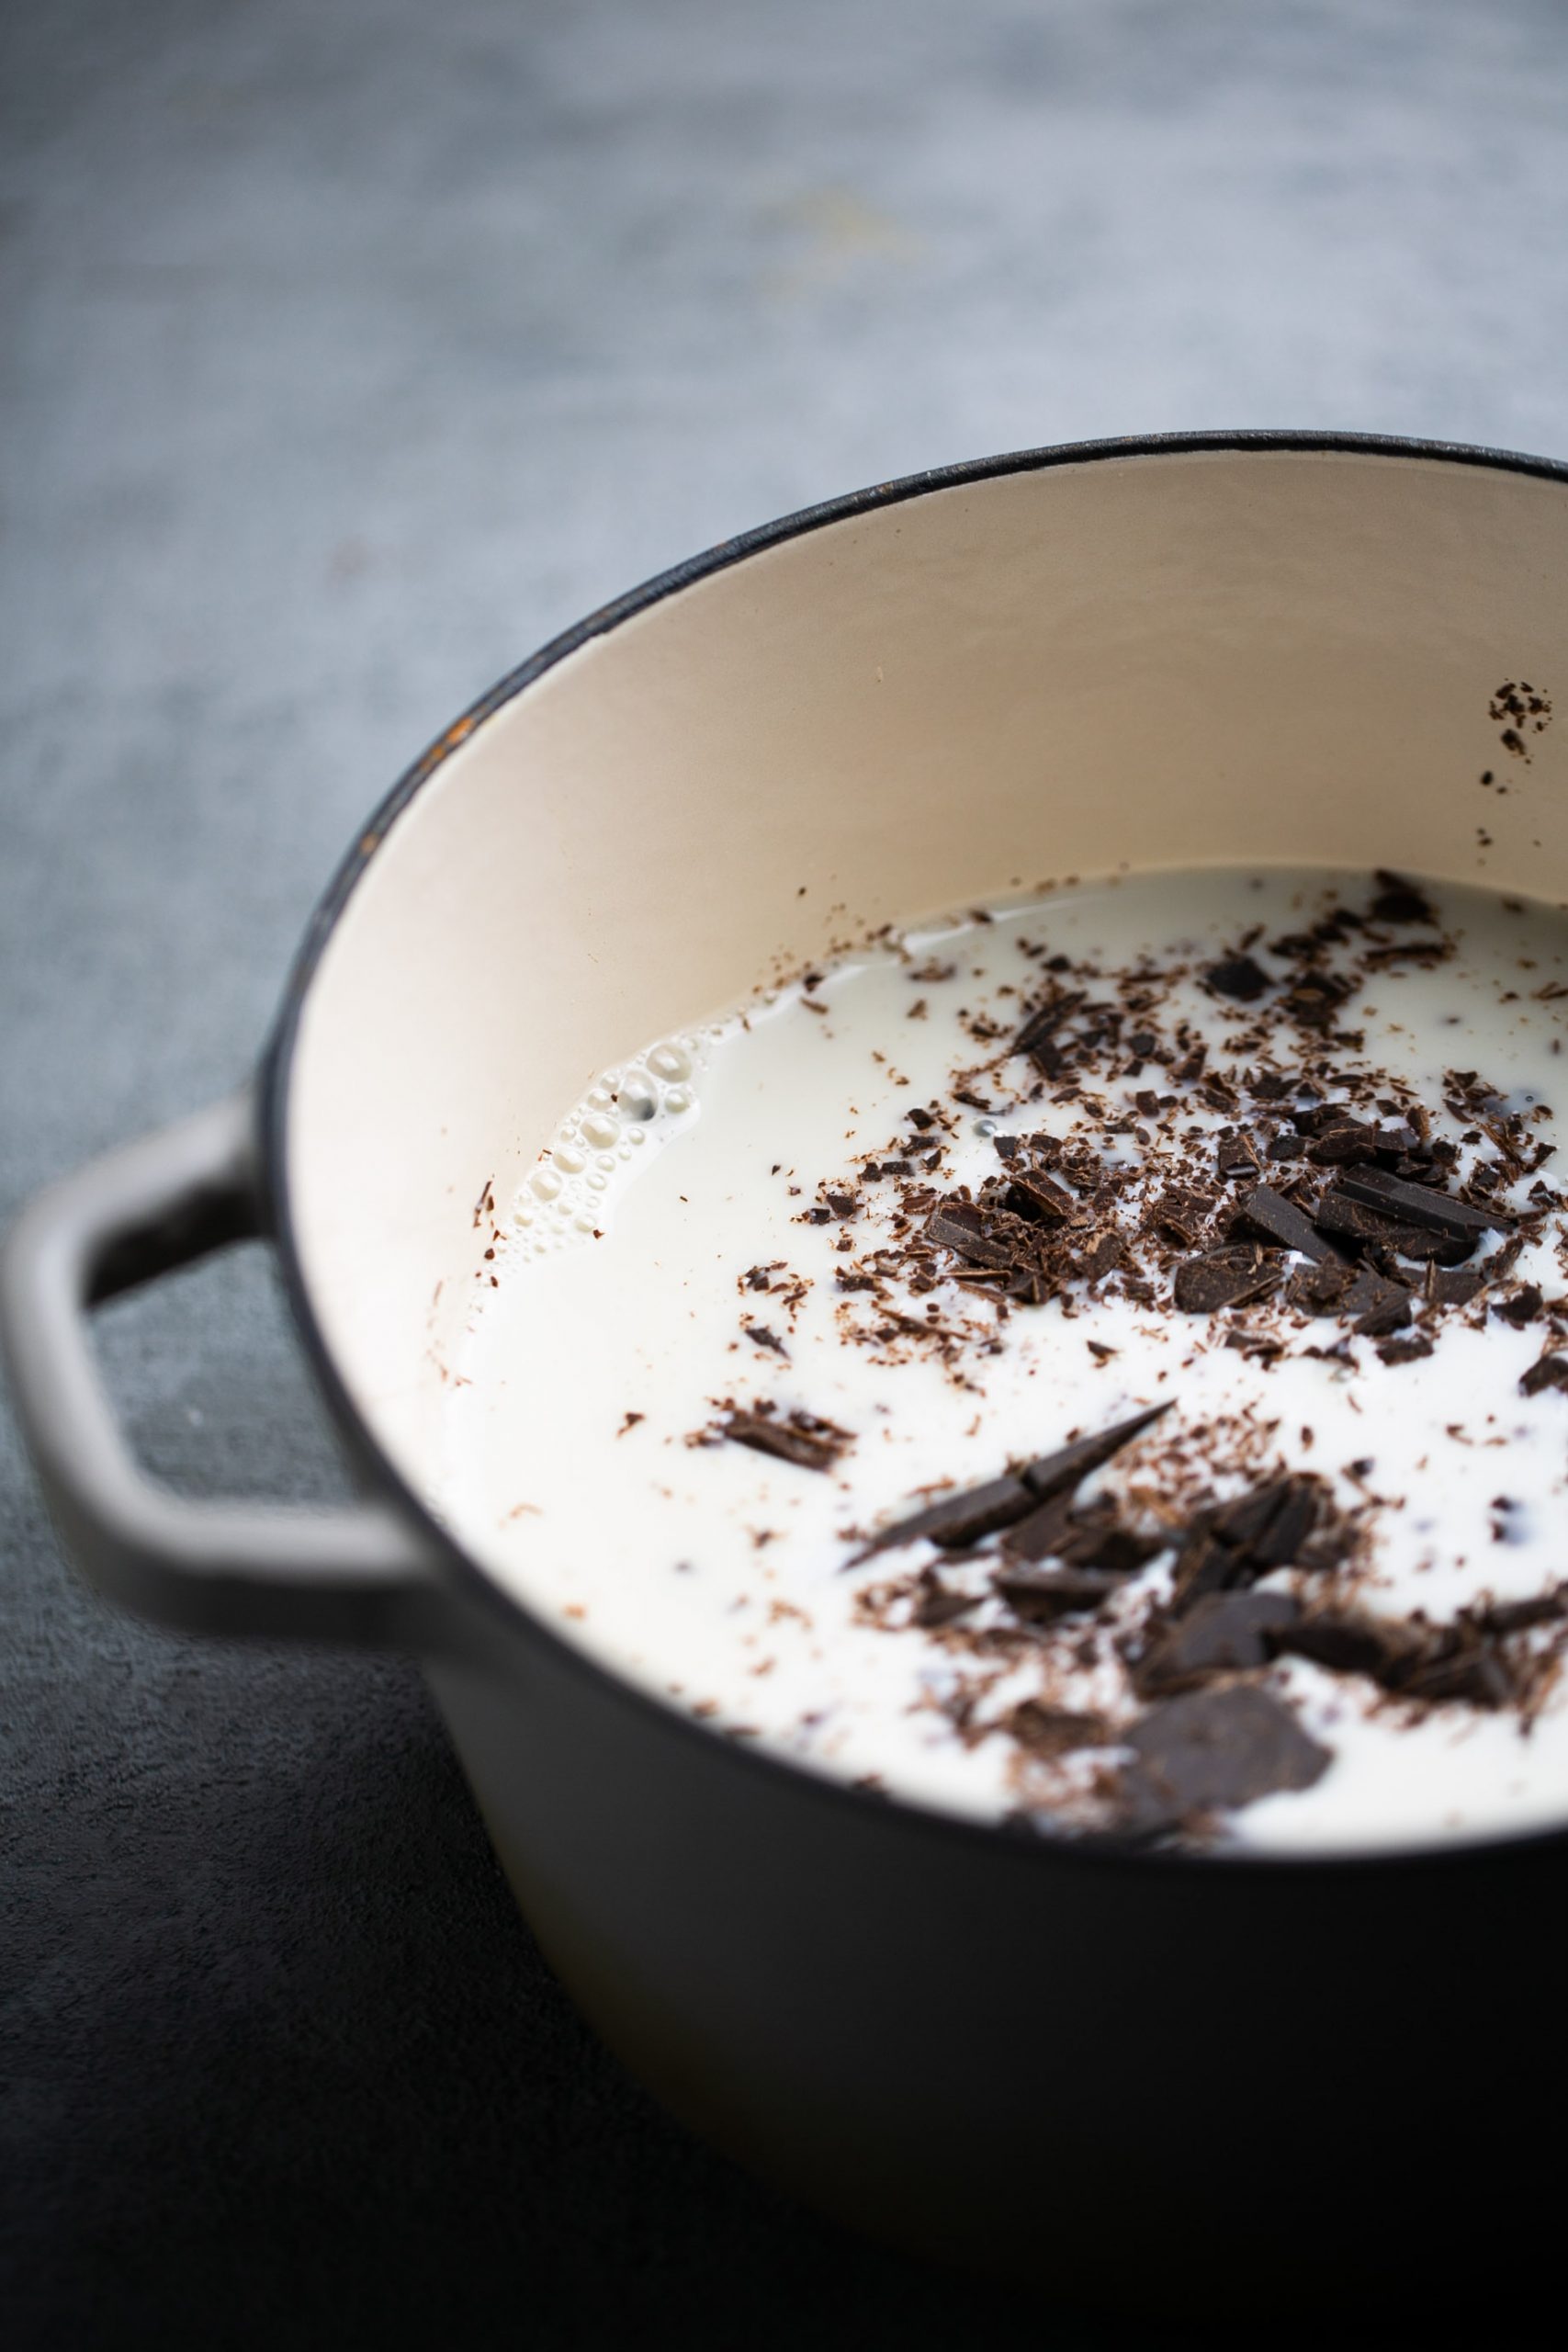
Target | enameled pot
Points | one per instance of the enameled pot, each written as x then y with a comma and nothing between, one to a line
1170,2079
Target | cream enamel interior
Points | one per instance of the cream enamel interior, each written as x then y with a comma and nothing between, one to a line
1160,659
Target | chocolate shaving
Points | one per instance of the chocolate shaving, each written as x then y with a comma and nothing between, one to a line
1049,1732
1519,1616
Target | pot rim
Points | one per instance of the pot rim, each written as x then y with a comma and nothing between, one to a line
275,1070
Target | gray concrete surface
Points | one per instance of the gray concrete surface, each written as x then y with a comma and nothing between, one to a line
348,348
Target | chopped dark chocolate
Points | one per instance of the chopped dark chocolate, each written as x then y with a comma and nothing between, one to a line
1521,1308
1411,1203
801,1438
1407,1349
1214,1749
1548,1372
1222,1633
937,1604
1181,1212
1353,1642
1240,976
1053,1473
1044,1021
1039,1595
958,1225
959,1519
1280,1221
1399,900
1223,1278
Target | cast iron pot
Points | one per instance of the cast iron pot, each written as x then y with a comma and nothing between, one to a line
1176,2079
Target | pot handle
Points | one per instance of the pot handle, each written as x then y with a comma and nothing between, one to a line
358,1575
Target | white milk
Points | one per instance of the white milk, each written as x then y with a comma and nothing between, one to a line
717,1576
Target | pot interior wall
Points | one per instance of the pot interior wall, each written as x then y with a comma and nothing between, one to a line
1167,659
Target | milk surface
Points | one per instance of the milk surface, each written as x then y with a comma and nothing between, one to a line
674,1260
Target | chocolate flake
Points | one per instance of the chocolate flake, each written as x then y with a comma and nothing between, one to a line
1049,1732
1548,1372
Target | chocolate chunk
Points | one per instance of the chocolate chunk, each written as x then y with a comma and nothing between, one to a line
1550,1372
937,1604
810,1444
1049,1732
958,1225
1271,1524
1454,1286
1408,1350
1040,1197
1207,1563
1042,1536
1284,1147
1278,1221
1055,1474
958,1518
1378,1306
1352,1642
1399,900
1222,1633
1225,1278
1040,1595
1238,977
1521,1309
1314,999
1181,1212
1411,1203
1356,1221
1219,1748
761,1336
1319,1290
1345,1142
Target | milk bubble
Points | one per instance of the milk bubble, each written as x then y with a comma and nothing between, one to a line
678,1098
599,1129
546,1182
568,1157
639,1097
669,1060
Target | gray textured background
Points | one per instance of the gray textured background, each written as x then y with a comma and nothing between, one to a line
348,349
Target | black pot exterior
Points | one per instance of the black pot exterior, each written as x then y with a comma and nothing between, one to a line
1172,2082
